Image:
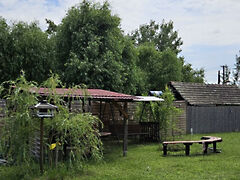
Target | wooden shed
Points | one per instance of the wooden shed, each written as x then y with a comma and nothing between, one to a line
207,108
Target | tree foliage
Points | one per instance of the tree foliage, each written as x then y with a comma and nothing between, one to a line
158,47
25,47
6,65
92,49
159,67
88,47
163,36
191,75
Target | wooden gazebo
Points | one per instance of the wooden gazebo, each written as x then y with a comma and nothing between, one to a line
88,96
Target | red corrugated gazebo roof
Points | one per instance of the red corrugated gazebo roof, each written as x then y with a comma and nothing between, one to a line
91,93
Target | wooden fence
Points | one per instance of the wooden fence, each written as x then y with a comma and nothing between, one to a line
151,129
147,131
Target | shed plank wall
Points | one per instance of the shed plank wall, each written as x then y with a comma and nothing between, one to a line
181,121
213,119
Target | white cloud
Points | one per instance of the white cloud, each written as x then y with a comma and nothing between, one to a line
8,2
210,22
32,10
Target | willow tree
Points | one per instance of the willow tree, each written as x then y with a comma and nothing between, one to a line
66,129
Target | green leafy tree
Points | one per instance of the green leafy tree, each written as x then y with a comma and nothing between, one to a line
25,47
131,78
33,51
158,48
191,75
148,60
91,49
158,67
163,36
52,27
7,65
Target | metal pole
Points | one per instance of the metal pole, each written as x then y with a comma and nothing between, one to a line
224,80
41,146
219,77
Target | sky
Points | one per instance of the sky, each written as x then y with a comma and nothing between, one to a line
210,29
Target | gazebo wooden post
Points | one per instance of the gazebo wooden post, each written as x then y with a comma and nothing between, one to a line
100,110
89,105
83,106
100,117
125,138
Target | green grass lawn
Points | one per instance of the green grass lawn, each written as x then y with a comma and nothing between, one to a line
145,161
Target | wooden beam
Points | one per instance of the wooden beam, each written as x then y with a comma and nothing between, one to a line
89,105
125,137
83,106
100,109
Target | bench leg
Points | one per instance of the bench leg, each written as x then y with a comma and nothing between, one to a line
205,148
164,149
187,149
215,147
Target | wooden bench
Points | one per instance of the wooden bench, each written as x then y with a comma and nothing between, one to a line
205,141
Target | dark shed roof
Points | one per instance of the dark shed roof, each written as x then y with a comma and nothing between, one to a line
206,94
91,93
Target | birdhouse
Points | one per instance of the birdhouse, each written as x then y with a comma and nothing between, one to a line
44,110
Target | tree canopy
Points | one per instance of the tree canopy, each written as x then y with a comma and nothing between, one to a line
158,47
89,47
163,36
92,49
25,47
158,67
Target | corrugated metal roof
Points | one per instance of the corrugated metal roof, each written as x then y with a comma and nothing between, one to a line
148,99
92,93
207,94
